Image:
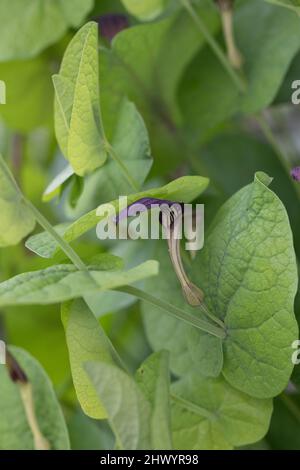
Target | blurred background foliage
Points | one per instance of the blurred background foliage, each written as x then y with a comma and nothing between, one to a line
199,122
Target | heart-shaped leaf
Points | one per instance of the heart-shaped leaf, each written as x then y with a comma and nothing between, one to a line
248,272
210,414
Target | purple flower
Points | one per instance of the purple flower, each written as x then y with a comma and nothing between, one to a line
295,173
174,212
111,24
146,203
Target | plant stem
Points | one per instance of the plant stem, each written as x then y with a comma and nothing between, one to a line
237,80
66,248
175,312
271,139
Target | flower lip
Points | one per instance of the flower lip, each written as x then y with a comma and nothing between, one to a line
144,204
295,173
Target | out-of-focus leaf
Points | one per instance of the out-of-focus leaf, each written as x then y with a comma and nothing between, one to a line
29,93
235,151
127,408
28,29
86,342
207,95
86,434
146,63
145,10
190,349
291,4
210,414
77,108
284,427
153,379
184,189
63,282
15,433
16,219
35,323
248,272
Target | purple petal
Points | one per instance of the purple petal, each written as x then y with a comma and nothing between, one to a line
111,24
15,371
295,173
143,204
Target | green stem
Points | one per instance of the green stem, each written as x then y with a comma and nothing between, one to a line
271,139
123,167
175,312
66,248
291,406
237,80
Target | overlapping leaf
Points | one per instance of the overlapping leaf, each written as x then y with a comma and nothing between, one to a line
208,96
209,414
86,342
138,412
77,107
63,282
15,433
131,145
153,379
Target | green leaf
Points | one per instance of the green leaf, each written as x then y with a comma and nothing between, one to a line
86,342
146,10
291,4
78,123
127,408
184,189
16,218
63,282
153,379
28,30
27,107
54,188
208,414
86,434
146,63
267,54
190,349
15,433
285,417
131,144
249,276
